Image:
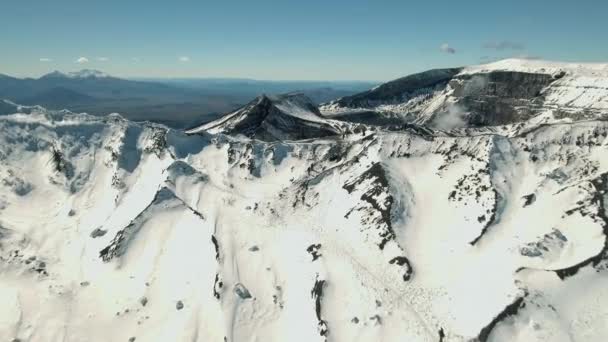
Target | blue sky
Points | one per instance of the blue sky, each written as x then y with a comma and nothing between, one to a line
312,39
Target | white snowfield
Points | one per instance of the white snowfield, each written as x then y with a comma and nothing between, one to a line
117,231
84,73
540,66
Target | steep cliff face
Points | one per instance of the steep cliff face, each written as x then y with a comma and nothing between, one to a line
498,97
504,92
115,231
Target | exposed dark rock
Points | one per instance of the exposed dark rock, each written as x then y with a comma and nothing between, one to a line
277,298
492,212
400,90
60,163
377,212
217,286
158,142
40,267
500,97
315,251
529,199
441,334
598,201
405,263
98,232
216,246
272,118
553,240
241,291
317,296
376,319
122,238
510,310
373,196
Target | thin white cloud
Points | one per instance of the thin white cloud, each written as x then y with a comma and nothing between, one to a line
136,59
184,59
103,59
504,45
45,60
445,47
526,56
490,59
82,60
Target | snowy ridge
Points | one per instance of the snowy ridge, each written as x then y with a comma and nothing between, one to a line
82,74
540,66
278,117
504,92
116,231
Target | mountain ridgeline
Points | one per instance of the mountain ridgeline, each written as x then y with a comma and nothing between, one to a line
502,93
454,205
485,97
176,103
281,117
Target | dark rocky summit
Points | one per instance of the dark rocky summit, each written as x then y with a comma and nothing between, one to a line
270,118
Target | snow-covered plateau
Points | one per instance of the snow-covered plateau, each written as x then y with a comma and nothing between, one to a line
276,223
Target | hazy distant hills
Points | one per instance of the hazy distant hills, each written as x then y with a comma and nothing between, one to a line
318,91
175,102
58,97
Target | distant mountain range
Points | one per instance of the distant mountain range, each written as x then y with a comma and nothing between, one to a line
465,204
175,102
318,91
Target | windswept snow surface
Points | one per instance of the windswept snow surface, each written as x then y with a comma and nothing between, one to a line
117,231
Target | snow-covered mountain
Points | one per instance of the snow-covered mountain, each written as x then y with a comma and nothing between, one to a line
277,117
503,92
112,230
81,74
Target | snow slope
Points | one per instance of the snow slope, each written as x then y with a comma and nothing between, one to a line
117,231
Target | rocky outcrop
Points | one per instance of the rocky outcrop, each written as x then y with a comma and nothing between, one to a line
270,118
